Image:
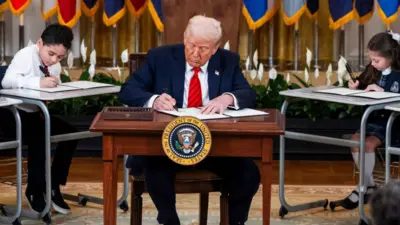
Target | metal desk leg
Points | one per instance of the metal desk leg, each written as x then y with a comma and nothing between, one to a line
123,204
388,143
45,214
285,208
14,219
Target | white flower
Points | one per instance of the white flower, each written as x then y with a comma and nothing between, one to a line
70,60
227,46
308,57
124,56
341,72
93,57
253,74
255,58
29,43
260,72
66,73
119,71
329,74
247,63
316,73
395,36
83,51
91,70
288,77
272,73
306,76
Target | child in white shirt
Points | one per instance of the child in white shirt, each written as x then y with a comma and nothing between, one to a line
33,67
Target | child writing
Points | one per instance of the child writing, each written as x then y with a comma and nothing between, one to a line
382,74
33,67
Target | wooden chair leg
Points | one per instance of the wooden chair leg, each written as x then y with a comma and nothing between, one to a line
203,208
136,204
223,207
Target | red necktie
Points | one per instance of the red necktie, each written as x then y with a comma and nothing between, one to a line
195,96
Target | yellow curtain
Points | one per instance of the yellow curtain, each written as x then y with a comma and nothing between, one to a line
283,38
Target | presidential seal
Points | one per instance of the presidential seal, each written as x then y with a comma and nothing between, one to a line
186,140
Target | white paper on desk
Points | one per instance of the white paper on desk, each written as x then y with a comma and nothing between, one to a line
340,91
377,94
59,88
83,84
244,112
195,112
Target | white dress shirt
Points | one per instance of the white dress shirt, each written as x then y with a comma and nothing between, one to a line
203,77
24,72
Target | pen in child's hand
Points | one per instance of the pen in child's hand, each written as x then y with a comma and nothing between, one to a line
166,92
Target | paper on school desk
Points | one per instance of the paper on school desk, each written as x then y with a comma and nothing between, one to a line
83,84
340,91
244,112
377,94
59,88
195,112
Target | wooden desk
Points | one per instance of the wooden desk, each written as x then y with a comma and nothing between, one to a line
241,137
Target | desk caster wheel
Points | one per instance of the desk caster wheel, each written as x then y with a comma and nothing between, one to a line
332,205
16,222
362,222
282,212
47,219
124,206
83,201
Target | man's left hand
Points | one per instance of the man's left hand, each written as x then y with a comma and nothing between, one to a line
218,104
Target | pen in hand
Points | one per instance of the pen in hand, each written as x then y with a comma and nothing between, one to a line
166,92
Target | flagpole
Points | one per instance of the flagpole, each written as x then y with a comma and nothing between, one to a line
250,49
361,46
271,43
114,45
137,33
316,50
92,33
341,44
159,38
296,45
2,38
21,31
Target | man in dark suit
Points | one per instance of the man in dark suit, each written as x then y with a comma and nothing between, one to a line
195,74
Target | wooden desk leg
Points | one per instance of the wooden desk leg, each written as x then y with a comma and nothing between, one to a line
266,172
110,177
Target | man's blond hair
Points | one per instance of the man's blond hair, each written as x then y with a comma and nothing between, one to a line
203,27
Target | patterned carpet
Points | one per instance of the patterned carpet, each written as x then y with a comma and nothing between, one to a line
187,206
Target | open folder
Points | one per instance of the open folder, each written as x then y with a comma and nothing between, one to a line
195,112
73,86
358,93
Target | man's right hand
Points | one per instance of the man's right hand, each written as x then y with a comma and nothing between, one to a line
353,85
48,82
164,102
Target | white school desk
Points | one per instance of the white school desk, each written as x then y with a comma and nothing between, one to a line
10,103
389,149
308,93
37,98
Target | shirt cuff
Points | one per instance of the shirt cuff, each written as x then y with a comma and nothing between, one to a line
150,102
235,102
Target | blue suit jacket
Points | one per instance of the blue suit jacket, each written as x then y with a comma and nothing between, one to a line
165,68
